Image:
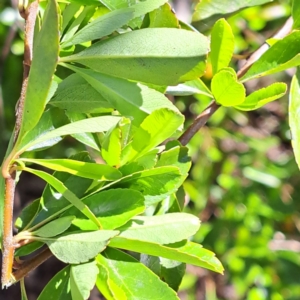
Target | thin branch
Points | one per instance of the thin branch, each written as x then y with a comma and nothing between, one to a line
201,120
29,265
8,253
198,123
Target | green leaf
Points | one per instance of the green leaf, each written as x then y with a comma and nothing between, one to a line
163,17
113,208
144,7
77,248
183,251
45,54
134,279
193,87
94,171
294,117
207,12
111,146
85,138
172,272
82,279
58,288
226,88
155,129
100,27
68,14
69,195
80,21
296,14
281,56
129,98
177,156
97,124
145,55
47,122
74,94
222,45
108,288
164,229
155,184
55,227
52,203
263,96
28,249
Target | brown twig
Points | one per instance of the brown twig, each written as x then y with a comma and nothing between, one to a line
198,123
201,120
8,253
30,265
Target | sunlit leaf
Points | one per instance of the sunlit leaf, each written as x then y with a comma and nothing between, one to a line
222,45
82,280
281,56
263,96
135,55
226,88
79,168
58,288
294,115
79,247
132,277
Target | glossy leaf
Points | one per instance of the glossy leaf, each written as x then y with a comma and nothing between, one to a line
113,208
184,251
296,14
155,184
94,171
82,280
294,118
155,129
97,124
207,12
129,98
164,229
74,94
55,227
45,55
77,248
263,96
193,87
132,277
226,89
222,45
58,288
69,195
135,55
101,27
277,58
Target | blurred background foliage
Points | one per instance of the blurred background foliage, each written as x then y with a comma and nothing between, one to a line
244,181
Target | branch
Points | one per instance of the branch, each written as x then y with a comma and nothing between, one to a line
201,120
8,253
